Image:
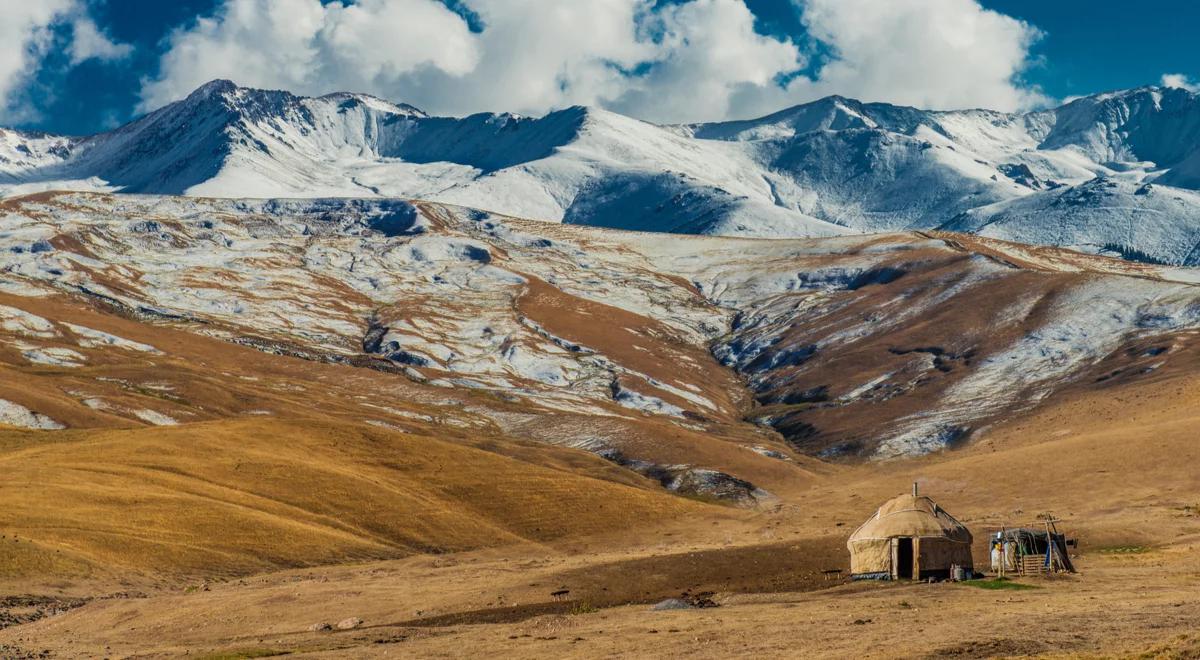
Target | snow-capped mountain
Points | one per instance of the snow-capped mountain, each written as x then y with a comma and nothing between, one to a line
1106,173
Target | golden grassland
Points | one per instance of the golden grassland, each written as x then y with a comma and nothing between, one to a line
233,497
243,533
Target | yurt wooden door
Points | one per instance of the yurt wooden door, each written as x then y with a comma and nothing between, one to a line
904,558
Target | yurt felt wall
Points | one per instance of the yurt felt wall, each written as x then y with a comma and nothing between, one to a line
871,556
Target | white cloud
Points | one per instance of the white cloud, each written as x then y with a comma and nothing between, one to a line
1181,81
689,61
945,54
24,38
541,54
307,47
708,57
668,63
89,42
28,34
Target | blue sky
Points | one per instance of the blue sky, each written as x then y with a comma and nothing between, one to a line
1080,47
1088,46
1100,45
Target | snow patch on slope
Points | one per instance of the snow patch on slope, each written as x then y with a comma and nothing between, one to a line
90,338
14,414
20,322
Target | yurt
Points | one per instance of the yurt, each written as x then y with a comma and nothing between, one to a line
909,537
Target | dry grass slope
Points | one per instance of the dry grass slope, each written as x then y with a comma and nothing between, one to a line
240,496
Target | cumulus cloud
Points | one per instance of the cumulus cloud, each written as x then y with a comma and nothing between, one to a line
1181,81
25,36
88,42
29,32
663,61
541,54
308,47
945,54
707,58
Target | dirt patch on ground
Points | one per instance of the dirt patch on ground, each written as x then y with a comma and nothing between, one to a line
993,648
16,610
491,615
797,566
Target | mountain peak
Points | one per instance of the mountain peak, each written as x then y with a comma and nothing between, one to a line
213,88
828,113
1131,93
375,102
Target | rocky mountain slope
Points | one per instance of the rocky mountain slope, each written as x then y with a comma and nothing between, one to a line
1111,173
859,346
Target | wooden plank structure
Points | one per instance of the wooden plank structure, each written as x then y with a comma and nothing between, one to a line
1031,565
1036,549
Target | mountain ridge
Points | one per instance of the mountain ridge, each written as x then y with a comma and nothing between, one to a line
829,167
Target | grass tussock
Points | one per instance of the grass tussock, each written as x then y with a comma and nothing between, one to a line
1124,550
584,607
1183,647
999,583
